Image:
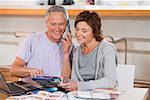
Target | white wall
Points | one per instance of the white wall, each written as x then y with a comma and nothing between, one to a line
132,27
115,26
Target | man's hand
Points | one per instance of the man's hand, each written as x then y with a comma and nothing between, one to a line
34,72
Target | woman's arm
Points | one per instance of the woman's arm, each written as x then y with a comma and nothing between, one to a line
66,67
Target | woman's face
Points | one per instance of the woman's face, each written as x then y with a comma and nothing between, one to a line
84,32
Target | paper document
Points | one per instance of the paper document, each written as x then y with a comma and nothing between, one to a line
92,95
41,95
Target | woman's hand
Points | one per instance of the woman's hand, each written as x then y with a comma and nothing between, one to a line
67,42
66,66
69,86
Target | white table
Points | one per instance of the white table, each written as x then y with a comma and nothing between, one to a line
134,94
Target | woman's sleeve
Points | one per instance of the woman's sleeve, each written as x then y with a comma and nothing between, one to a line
109,79
73,75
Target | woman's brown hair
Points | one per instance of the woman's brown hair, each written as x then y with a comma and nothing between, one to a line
93,20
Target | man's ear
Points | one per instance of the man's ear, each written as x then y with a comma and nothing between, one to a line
46,19
46,22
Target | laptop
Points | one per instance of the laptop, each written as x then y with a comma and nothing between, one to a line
15,88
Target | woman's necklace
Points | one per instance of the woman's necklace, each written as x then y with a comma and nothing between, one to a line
86,50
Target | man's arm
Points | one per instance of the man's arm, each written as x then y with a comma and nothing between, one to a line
20,69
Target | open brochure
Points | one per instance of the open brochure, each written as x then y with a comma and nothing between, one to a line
75,95
88,95
95,94
41,95
114,93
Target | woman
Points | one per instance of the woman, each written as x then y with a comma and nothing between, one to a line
95,60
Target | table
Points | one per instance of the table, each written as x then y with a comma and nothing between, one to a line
130,94
134,94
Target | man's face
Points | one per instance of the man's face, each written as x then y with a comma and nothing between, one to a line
56,24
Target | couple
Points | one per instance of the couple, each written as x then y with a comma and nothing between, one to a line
91,65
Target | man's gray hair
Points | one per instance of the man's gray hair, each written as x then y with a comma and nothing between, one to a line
56,8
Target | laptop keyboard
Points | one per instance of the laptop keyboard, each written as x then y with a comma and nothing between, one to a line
15,88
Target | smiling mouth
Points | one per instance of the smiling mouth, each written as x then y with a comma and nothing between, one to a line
57,33
80,38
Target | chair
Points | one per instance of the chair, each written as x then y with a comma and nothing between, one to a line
116,40
125,76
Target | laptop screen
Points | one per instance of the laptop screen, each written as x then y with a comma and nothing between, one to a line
3,84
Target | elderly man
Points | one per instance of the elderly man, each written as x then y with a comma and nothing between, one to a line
43,52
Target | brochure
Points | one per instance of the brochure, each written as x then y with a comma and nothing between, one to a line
74,95
90,95
96,94
41,95
47,81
